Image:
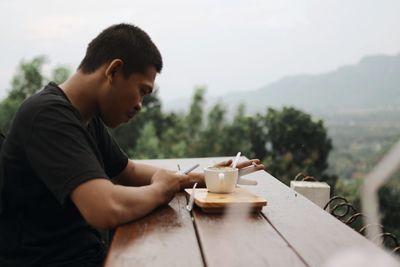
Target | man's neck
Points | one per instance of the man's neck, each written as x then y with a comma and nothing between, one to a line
82,91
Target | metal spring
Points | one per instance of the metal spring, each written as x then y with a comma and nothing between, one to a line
345,217
362,229
305,177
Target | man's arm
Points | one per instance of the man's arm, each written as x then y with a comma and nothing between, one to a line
105,205
136,174
139,174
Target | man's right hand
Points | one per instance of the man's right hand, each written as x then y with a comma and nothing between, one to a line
167,184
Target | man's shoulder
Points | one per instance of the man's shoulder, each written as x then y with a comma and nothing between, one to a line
49,95
2,138
49,98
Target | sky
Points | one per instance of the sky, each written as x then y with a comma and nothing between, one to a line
225,45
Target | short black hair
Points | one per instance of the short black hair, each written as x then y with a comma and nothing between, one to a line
126,42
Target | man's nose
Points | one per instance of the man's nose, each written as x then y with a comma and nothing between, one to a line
138,107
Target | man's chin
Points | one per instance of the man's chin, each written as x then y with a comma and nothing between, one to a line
115,123
112,125
126,120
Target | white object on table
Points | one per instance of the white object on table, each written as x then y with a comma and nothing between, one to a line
189,206
236,160
317,192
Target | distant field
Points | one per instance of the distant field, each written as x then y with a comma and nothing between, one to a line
360,142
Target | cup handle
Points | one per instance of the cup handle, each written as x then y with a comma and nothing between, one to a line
221,177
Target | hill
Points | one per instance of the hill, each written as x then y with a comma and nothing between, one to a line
373,84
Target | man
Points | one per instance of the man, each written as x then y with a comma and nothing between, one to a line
63,175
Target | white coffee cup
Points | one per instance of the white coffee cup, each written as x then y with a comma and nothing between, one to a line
221,179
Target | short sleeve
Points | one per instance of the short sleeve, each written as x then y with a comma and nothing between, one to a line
61,152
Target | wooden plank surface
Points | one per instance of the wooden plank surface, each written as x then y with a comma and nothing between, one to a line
242,239
166,237
214,202
315,235
250,239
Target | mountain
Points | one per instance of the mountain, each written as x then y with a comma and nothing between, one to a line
371,84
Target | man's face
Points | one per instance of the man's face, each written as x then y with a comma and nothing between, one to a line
124,97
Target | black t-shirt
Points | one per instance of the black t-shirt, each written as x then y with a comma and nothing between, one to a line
48,152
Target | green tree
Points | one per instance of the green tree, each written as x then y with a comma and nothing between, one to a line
195,117
210,139
60,74
194,123
148,145
27,80
258,137
237,134
297,144
8,107
174,138
389,203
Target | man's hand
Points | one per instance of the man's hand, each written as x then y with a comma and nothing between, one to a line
255,162
167,183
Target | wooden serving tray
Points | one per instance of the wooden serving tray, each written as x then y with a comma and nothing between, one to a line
239,199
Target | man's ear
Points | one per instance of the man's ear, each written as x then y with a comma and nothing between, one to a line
113,67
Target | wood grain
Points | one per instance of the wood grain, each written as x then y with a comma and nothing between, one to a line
166,237
252,241
292,231
315,234
213,202
242,239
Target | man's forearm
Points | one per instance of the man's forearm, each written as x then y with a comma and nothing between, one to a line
136,174
105,205
139,174
133,202
143,173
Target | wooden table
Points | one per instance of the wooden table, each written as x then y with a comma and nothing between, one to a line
290,231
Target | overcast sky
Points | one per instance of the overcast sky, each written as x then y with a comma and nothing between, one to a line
227,45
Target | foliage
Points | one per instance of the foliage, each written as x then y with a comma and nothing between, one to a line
292,140
358,148
27,80
194,123
297,145
174,136
60,74
238,134
349,189
8,107
389,201
148,143
212,134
